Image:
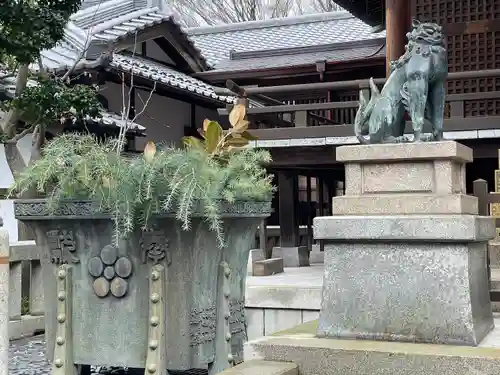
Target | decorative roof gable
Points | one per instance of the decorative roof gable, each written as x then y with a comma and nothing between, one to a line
101,25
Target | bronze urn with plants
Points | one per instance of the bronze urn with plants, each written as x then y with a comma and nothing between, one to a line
144,257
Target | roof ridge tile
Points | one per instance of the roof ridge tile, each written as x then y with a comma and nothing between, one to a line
270,23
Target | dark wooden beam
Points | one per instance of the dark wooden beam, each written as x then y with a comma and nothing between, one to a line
472,27
310,158
174,36
179,60
453,124
307,70
396,23
354,84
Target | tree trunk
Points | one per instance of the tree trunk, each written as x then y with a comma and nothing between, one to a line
10,122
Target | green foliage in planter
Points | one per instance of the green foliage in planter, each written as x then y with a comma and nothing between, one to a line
77,166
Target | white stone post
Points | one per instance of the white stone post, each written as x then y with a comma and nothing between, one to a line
4,300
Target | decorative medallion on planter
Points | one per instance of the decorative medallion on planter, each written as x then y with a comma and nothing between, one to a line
110,272
62,246
154,244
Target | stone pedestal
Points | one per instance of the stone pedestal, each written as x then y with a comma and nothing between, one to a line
405,252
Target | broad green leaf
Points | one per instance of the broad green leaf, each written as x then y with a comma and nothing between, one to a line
212,136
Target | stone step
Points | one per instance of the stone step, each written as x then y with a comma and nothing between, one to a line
355,357
259,367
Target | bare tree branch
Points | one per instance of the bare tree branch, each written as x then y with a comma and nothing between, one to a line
212,12
127,104
326,6
19,136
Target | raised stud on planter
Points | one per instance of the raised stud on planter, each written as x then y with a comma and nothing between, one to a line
156,353
63,351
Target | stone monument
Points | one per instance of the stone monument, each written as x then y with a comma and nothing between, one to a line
405,282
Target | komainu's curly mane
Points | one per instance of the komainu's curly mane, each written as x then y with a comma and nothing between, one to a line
421,33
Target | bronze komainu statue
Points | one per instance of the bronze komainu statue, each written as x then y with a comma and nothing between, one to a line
416,85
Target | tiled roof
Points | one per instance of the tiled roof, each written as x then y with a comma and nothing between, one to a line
166,75
283,57
100,24
217,42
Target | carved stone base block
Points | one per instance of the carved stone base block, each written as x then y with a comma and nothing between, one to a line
414,279
405,204
292,256
419,169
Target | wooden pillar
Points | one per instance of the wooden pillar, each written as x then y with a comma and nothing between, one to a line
288,196
396,25
320,185
310,214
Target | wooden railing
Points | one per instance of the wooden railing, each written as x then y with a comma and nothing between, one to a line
26,311
459,109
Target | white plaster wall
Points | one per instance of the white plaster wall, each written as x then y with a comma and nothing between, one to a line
6,180
9,221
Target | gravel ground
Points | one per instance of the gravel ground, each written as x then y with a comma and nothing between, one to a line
27,357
